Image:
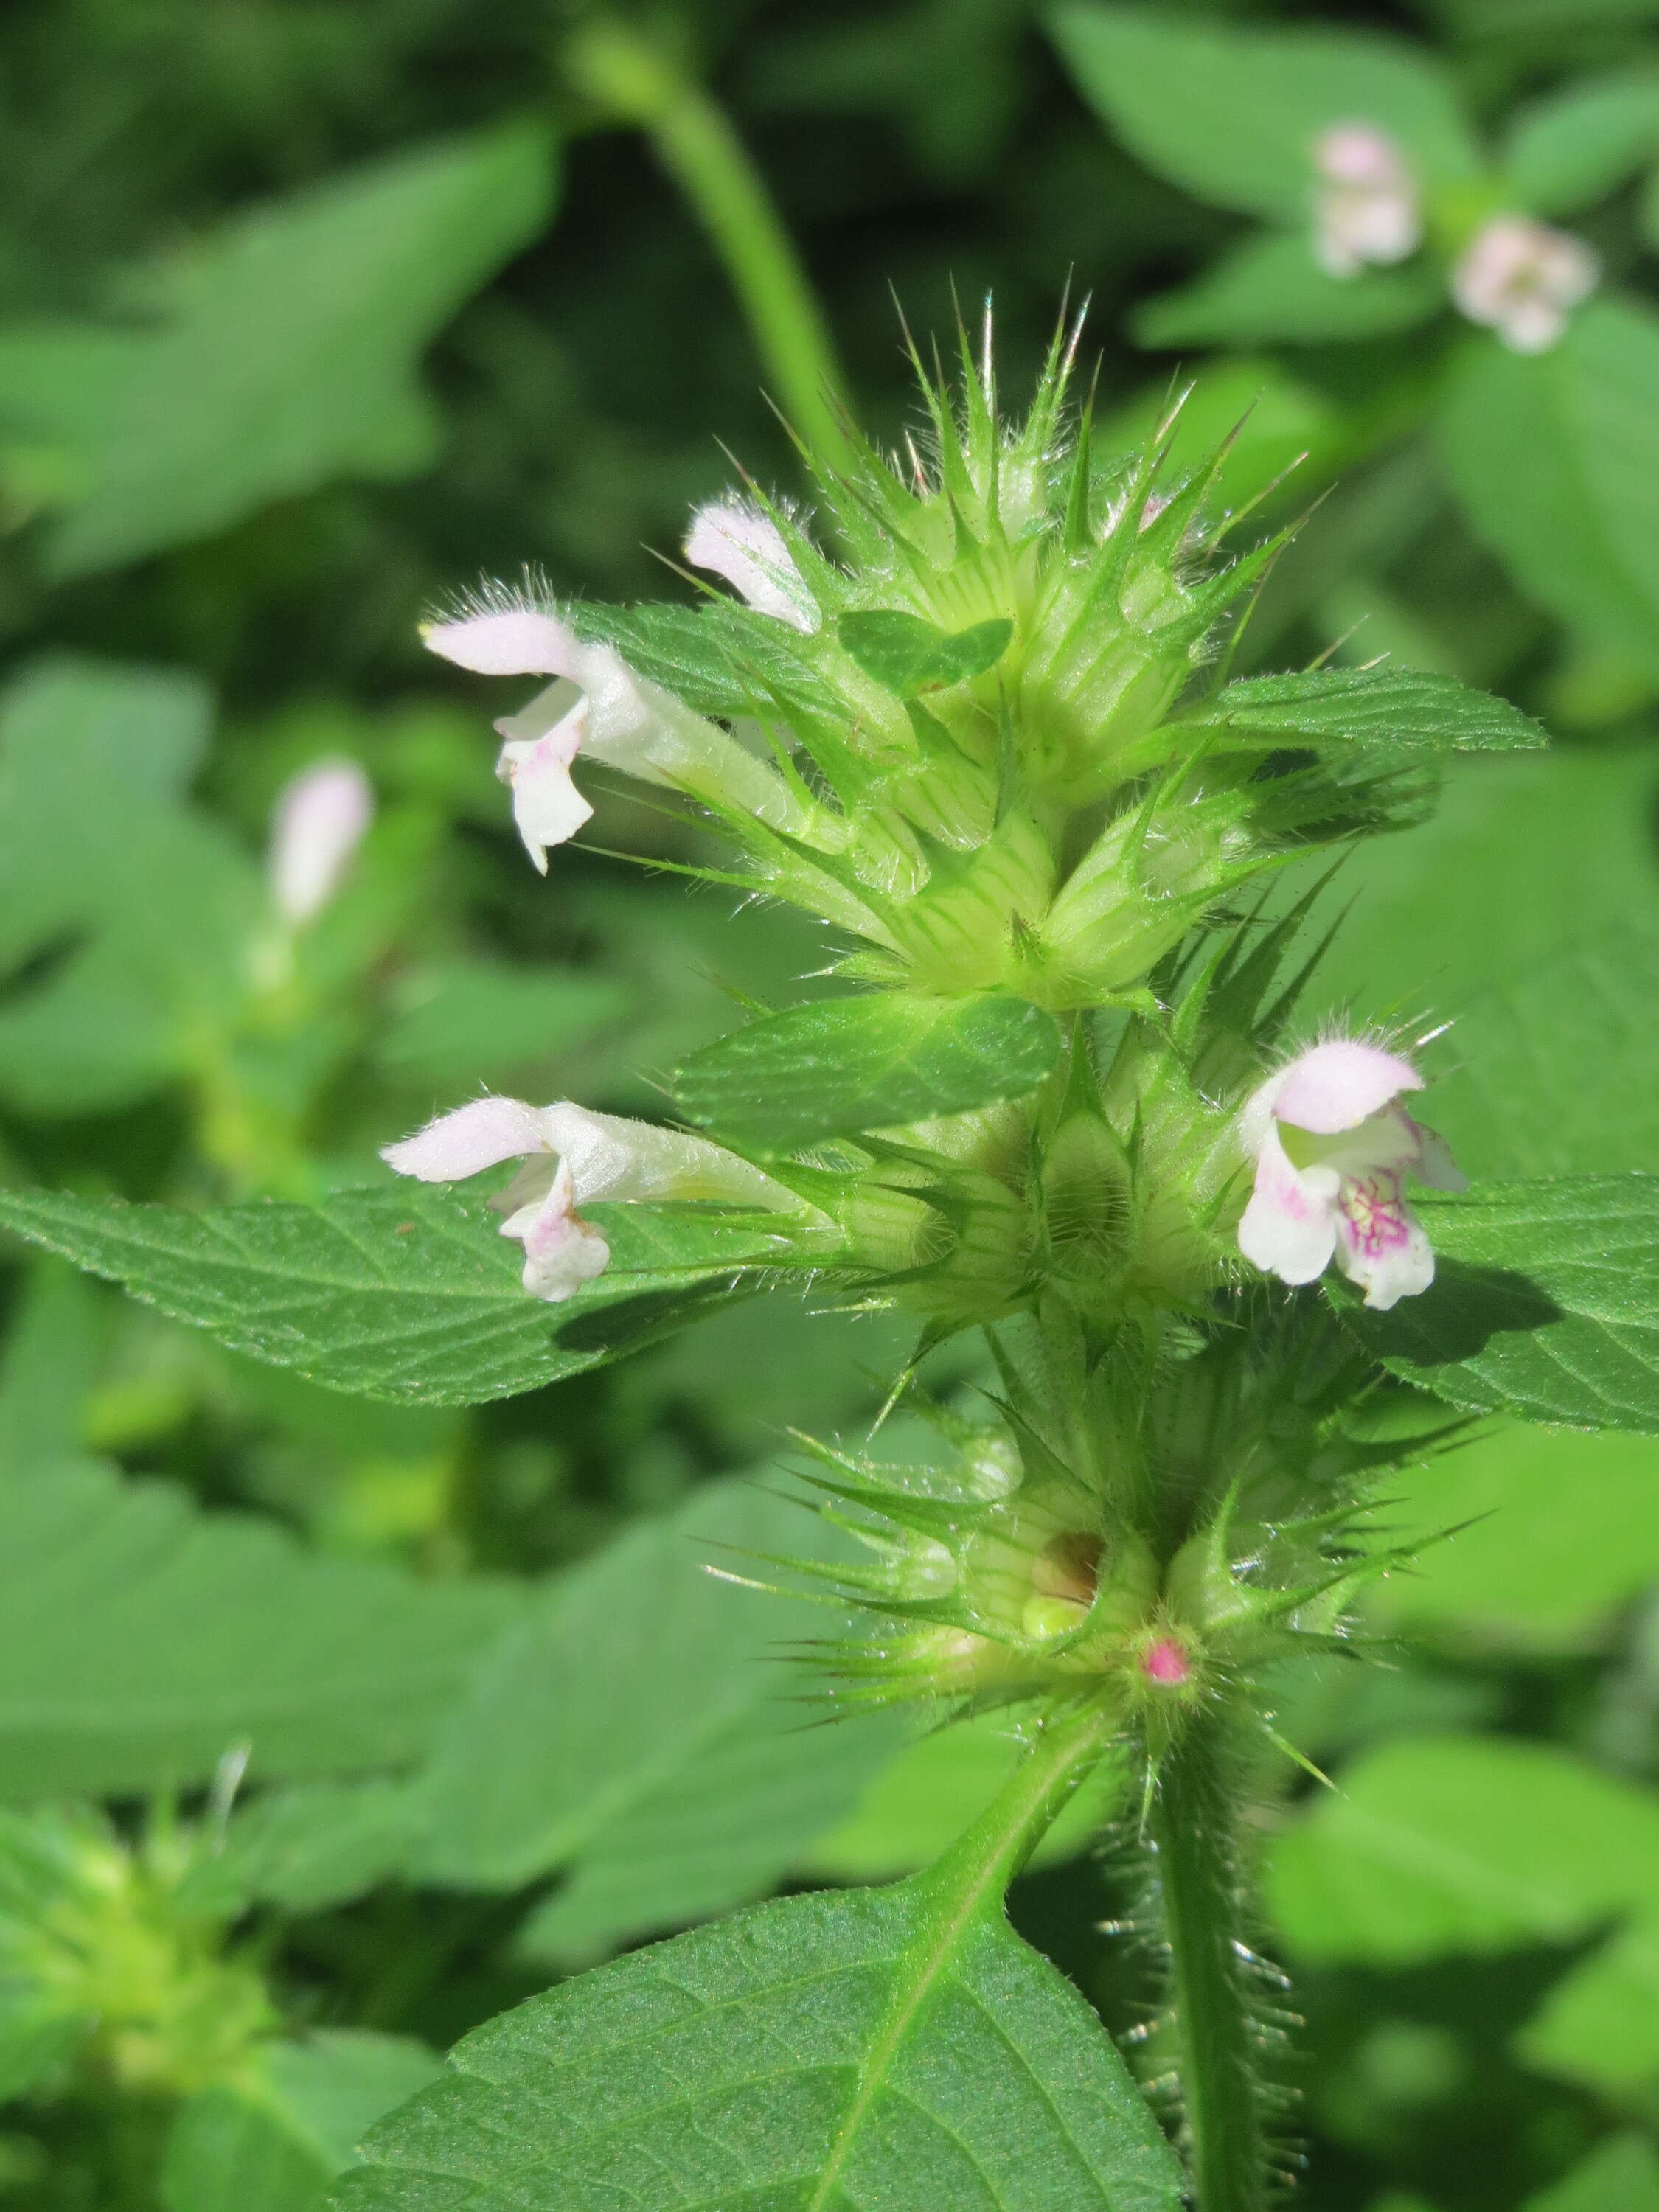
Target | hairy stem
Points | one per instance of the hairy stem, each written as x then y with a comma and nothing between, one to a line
1194,1821
637,79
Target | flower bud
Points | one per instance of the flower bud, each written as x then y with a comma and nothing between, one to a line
321,817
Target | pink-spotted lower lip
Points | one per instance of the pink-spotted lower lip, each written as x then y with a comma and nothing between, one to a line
1166,1663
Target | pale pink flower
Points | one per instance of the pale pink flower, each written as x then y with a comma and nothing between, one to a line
1366,208
737,539
321,817
604,710
1523,279
573,1156
1332,1147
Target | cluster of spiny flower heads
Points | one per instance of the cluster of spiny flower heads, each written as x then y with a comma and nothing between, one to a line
974,714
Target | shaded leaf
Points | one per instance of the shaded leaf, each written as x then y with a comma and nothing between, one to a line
1546,1303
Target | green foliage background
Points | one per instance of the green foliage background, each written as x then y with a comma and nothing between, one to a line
316,313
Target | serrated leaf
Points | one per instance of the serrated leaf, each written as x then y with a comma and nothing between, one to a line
908,656
274,2139
694,1769
292,356
1544,1305
865,2046
139,1639
1232,112
1270,287
871,1063
1401,709
399,1292
1579,527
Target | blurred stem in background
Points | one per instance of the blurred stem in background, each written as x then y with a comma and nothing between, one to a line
639,81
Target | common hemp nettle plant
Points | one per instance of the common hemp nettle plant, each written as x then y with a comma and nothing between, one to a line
971,711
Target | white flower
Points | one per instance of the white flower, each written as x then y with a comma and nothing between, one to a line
1521,279
321,817
621,719
1333,1147
736,539
573,1156
1366,209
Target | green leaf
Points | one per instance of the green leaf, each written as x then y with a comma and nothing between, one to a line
1404,710
292,353
720,658
274,2139
1544,1305
139,1639
1276,424
400,1292
1579,527
692,1770
897,2046
1554,1529
306,1848
1452,1844
1583,140
908,656
869,1063
1600,2024
1620,2175
1232,114
1270,288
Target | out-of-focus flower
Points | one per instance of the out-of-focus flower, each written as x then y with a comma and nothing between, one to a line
574,1157
736,539
1333,1147
1523,279
1366,208
321,817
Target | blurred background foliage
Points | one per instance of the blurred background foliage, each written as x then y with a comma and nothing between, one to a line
326,1728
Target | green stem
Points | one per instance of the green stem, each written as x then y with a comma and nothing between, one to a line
987,1856
1194,1831
696,144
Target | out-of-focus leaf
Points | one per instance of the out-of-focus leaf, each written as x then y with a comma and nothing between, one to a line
1561,1528
1232,112
1579,527
1270,287
139,1639
1452,1844
292,356
1600,2025
273,2140
1620,2175
1583,140
1404,710
315,1844
895,2046
1546,1303
48,1365
683,1775
868,1063
480,1020
400,1292
916,1806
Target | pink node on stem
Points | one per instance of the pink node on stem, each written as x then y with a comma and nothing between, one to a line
1166,1664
